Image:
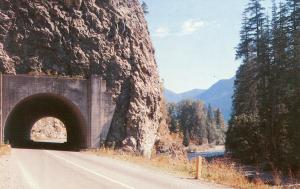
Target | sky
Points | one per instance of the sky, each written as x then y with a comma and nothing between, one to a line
195,40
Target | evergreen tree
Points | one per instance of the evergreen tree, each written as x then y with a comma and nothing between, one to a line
211,126
219,119
145,7
195,122
210,115
173,120
293,83
266,104
277,143
250,84
186,137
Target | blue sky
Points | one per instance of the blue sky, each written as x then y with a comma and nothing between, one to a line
195,40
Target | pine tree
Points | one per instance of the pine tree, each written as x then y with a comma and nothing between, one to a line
211,126
293,82
186,137
277,135
253,51
173,118
251,81
195,122
145,7
219,119
266,107
210,115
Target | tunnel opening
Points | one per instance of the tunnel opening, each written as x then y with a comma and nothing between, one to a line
25,114
49,129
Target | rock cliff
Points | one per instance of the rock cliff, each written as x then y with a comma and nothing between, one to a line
78,38
49,128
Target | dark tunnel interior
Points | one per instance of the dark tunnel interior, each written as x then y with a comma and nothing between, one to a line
22,118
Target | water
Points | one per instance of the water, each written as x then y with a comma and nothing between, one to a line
207,154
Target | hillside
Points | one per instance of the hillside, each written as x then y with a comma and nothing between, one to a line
177,97
218,95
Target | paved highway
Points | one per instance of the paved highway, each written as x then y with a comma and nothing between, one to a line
45,169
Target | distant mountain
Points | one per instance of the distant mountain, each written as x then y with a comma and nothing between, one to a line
177,97
171,96
191,94
218,95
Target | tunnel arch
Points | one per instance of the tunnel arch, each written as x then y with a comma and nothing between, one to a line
21,119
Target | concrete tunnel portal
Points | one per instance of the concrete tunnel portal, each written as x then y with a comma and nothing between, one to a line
84,105
24,115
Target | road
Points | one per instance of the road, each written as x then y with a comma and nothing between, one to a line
45,169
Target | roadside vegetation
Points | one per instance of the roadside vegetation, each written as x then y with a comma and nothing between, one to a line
190,126
198,123
226,172
222,171
4,149
264,128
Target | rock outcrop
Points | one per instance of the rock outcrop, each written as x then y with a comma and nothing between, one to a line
167,143
104,37
49,128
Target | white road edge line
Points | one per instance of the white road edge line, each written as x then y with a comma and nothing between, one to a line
90,171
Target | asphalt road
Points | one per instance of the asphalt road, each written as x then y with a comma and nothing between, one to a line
45,169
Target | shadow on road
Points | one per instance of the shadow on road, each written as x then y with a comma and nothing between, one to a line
46,146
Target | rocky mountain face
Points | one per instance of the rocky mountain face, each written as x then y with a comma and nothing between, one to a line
78,38
49,128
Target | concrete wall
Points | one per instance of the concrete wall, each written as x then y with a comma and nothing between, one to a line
88,95
102,110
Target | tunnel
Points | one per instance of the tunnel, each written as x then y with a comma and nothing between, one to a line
24,115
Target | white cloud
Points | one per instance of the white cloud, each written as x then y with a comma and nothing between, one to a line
188,27
191,26
162,32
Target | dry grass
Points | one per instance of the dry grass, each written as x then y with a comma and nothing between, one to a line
221,172
4,149
163,163
225,172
